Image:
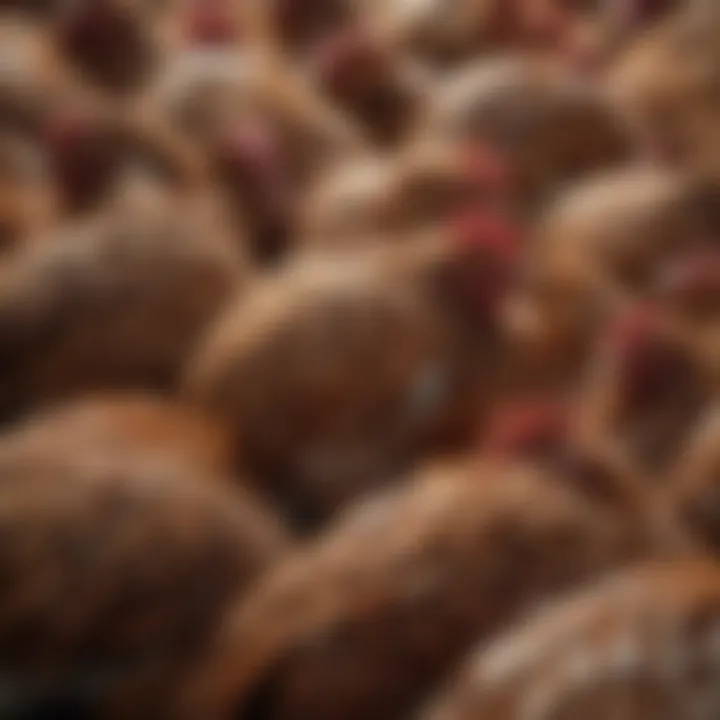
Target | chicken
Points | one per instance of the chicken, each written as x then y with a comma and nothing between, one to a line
689,285
112,43
192,24
330,376
116,301
210,91
83,136
642,645
608,28
549,434
418,300
598,248
537,429
642,247
443,34
367,620
380,196
91,148
34,79
633,13
644,390
688,290
116,571
362,74
663,86
133,424
264,130
338,371
627,223
549,125
296,26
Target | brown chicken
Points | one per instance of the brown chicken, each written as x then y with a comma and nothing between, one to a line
648,245
443,34
339,371
395,196
366,621
192,24
549,125
84,138
149,426
264,130
632,14
600,247
664,88
643,645
295,27
608,28
91,148
296,253
116,301
209,92
625,224
644,390
371,82
34,79
688,290
548,433
113,44
330,376
116,569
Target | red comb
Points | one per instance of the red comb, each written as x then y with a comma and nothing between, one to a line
483,263
211,23
528,428
648,358
251,144
492,233
639,325
251,154
83,154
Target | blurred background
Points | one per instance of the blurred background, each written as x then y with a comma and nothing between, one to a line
359,359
